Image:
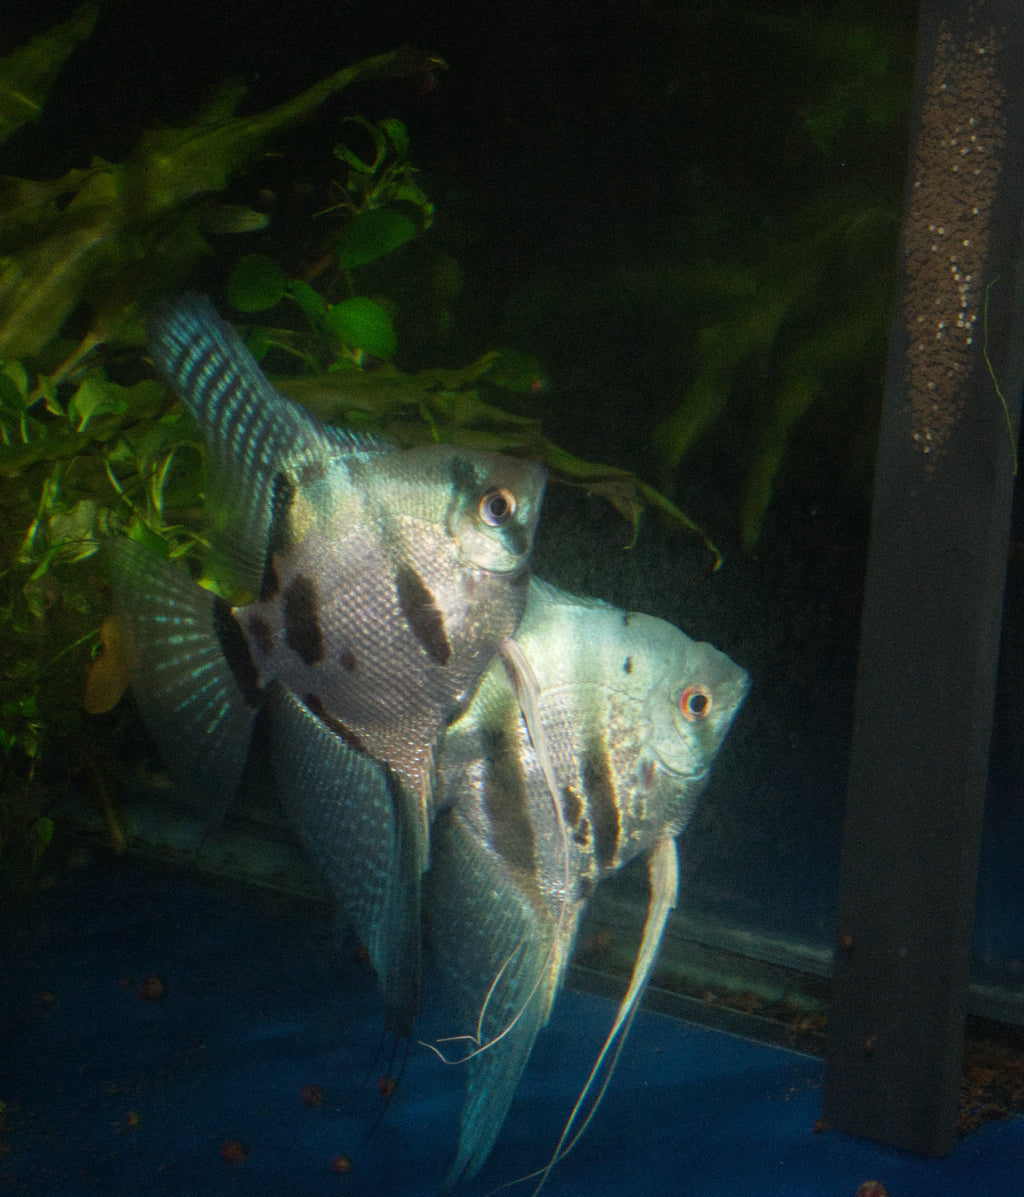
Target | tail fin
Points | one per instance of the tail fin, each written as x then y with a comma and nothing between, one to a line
174,635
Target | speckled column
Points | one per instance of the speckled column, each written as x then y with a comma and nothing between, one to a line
933,601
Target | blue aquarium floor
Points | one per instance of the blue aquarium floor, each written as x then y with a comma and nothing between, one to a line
107,1091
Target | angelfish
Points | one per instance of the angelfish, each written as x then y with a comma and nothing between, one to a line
633,713
375,587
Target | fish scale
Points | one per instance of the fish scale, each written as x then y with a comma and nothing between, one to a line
633,713
372,588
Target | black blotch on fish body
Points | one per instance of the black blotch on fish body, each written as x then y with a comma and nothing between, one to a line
626,617
463,476
271,583
572,804
334,724
237,652
493,741
506,805
260,631
277,540
599,787
302,631
628,665
347,660
422,614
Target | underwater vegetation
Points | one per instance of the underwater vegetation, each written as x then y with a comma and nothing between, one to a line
83,453
92,445
798,313
745,289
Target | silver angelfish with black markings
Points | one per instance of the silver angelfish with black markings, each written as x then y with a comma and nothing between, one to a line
376,585
633,713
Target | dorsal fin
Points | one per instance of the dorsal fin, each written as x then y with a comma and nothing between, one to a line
253,432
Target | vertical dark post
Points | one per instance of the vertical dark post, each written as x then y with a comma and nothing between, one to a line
933,601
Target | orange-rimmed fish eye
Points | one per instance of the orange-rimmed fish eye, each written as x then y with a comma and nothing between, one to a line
497,507
695,703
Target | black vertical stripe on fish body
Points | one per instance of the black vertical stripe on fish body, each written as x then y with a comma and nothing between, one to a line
506,805
302,631
282,496
602,803
422,614
572,805
260,631
237,653
270,586
517,540
464,481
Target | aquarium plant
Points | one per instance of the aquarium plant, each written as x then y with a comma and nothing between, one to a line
92,445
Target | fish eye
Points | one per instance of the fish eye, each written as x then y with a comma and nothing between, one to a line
497,507
695,703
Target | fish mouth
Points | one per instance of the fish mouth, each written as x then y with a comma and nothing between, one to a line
689,776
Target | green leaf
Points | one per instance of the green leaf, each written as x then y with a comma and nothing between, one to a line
95,396
256,283
27,74
258,342
372,235
119,235
11,398
43,827
18,375
363,324
515,371
398,135
309,299
352,158
145,536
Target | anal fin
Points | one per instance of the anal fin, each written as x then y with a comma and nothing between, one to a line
663,871
348,811
503,953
